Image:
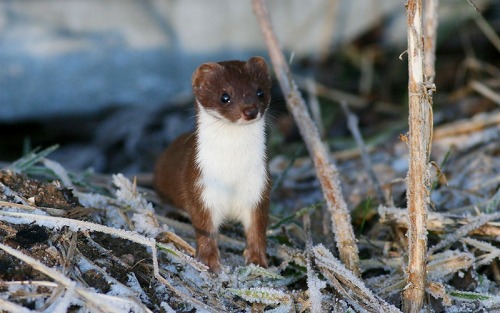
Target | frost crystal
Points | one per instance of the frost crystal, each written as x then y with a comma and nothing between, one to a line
144,220
263,295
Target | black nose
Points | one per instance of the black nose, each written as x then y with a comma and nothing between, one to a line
250,113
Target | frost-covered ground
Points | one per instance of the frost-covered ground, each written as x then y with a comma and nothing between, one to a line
81,242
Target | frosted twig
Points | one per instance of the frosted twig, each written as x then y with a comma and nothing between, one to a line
12,307
76,225
448,263
474,6
479,122
352,123
493,252
485,91
430,38
440,268
358,295
9,192
336,95
144,220
436,222
418,180
464,230
488,31
71,287
314,284
326,171
314,105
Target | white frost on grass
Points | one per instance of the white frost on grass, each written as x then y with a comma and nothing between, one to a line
254,276
484,259
144,220
314,286
59,170
441,266
262,295
127,198
63,303
464,230
134,284
76,225
325,260
167,307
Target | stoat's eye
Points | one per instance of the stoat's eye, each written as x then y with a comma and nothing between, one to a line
260,93
225,98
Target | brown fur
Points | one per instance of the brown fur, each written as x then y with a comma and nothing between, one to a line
176,172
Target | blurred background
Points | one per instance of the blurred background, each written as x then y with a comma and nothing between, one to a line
109,80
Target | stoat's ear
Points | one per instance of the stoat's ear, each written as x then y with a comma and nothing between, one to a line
258,67
258,63
203,74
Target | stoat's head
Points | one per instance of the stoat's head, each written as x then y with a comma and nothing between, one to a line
237,91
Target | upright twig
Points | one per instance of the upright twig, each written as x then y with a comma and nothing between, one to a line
488,31
326,171
352,124
430,37
418,180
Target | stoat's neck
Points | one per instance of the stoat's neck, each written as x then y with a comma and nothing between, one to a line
216,132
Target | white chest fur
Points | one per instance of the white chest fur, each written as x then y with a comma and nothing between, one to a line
231,159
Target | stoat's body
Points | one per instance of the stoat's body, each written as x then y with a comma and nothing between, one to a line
219,172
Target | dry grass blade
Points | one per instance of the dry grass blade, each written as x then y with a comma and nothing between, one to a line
440,268
485,91
325,170
447,263
89,297
75,225
463,127
492,251
12,307
355,291
440,223
464,230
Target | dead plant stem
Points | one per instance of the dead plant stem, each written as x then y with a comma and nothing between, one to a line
420,134
327,172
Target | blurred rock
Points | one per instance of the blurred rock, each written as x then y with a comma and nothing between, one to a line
74,57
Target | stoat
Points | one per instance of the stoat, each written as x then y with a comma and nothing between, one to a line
219,172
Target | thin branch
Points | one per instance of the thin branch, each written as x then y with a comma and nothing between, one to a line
314,105
352,124
430,38
478,123
488,31
327,172
474,6
464,230
485,91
